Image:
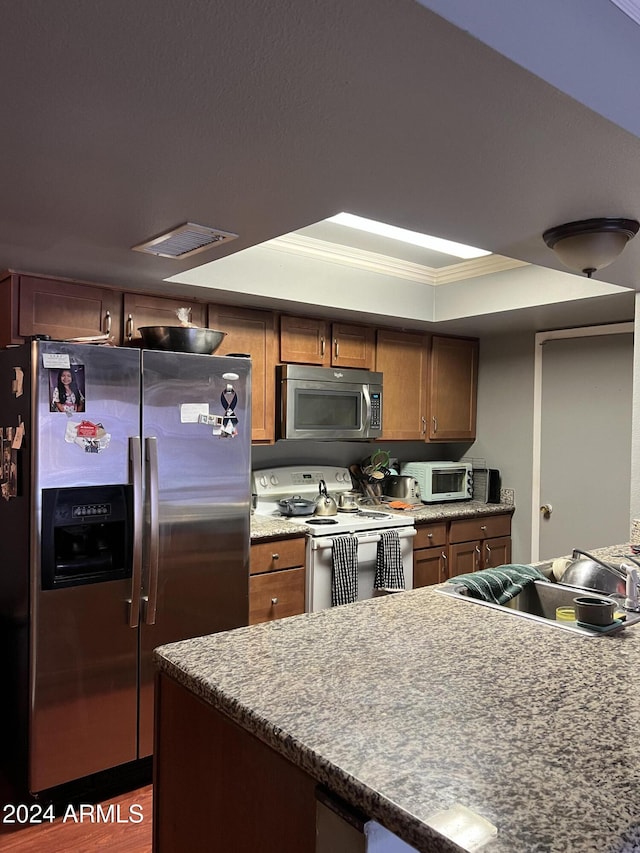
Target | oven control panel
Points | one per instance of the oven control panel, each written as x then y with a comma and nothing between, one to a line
302,480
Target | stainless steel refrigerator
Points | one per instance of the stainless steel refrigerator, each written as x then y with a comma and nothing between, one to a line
125,520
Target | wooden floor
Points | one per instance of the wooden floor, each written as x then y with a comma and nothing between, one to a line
122,824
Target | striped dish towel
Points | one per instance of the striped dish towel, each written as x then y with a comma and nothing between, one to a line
344,570
389,572
500,584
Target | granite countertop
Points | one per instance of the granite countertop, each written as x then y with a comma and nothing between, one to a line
265,527
409,704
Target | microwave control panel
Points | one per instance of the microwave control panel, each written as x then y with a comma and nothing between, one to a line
376,401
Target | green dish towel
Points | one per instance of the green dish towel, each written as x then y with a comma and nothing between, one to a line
499,584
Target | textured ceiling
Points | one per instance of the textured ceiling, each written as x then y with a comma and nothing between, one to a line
121,120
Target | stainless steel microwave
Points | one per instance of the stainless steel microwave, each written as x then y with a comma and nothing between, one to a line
327,403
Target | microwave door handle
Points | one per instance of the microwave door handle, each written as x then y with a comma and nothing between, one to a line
151,598
366,415
135,475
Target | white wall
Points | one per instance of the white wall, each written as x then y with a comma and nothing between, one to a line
511,290
505,423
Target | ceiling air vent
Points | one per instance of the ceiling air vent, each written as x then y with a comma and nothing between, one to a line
183,241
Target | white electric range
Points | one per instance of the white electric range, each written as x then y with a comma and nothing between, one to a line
274,484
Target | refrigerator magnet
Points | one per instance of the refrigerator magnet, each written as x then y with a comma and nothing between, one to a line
90,437
229,400
191,413
17,384
67,389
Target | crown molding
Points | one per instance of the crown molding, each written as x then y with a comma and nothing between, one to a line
385,265
477,267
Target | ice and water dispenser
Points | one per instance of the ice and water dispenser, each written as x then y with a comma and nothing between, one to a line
86,535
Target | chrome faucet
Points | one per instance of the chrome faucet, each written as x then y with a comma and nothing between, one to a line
632,601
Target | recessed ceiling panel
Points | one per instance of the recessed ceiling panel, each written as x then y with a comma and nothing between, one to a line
331,232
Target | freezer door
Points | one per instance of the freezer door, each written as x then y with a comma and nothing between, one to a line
196,570
83,652
84,701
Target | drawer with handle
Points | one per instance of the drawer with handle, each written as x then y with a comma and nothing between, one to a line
276,595
430,535
483,527
276,555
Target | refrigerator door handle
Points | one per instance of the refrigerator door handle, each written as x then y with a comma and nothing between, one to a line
151,599
135,474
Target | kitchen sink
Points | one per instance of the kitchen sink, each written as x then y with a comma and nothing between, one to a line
538,601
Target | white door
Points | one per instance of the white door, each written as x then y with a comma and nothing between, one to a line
585,399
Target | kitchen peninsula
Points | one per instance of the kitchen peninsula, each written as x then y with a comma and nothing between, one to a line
402,707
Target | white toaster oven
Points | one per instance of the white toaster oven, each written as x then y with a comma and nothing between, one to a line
441,481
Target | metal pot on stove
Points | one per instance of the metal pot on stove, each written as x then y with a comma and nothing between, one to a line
325,504
348,501
296,505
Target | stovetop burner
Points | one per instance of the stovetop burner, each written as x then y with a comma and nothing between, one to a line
321,521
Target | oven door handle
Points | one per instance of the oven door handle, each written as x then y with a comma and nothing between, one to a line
320,543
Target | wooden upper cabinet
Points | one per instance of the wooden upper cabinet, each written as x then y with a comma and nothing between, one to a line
453,389
142,309
402,358
305,340
352,346
64,309
254,333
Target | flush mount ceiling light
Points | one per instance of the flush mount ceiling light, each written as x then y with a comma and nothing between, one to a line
184,241
590,244
437,244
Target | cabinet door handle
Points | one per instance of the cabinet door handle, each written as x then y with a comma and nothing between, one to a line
445,567
322,342
478,556
424,425
435,424
129,332
274,601
106,326
337,345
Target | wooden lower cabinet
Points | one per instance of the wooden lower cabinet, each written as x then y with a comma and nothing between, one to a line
277,579
218,788
430,559
445,549
479,543
472,556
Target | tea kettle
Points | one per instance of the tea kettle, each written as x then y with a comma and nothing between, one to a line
325,504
